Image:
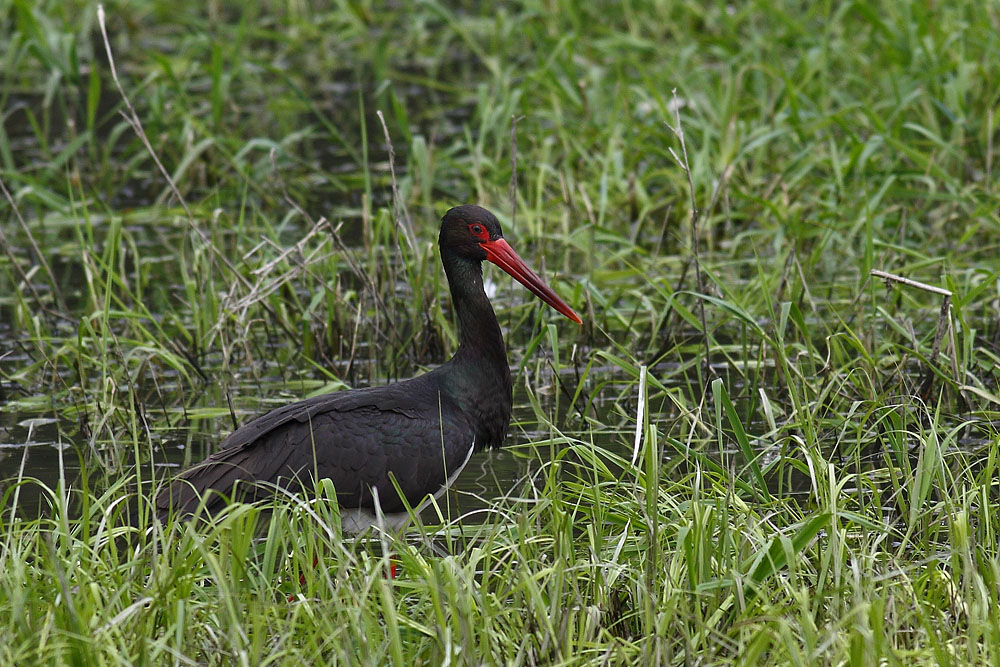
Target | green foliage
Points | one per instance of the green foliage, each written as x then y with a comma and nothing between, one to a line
804,474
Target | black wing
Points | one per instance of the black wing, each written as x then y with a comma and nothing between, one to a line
355,438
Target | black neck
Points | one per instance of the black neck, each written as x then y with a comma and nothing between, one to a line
481,376
478,329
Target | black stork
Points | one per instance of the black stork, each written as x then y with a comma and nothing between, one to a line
421,431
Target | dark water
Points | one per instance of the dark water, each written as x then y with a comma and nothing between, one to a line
33,448
45,452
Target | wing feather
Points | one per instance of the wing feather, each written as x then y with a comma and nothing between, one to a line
356,439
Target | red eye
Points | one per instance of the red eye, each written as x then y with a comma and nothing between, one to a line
479,232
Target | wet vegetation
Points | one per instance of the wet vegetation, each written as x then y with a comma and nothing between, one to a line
752,451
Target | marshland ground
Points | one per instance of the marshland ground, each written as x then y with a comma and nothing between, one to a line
752,452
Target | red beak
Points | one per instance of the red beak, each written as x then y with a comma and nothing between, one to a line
500,253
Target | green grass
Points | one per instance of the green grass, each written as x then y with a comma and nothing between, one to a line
772,468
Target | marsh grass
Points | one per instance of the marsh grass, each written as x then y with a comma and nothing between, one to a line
766,456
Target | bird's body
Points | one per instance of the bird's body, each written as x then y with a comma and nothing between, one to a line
420,432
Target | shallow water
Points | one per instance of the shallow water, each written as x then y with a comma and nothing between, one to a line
49,450
43,438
